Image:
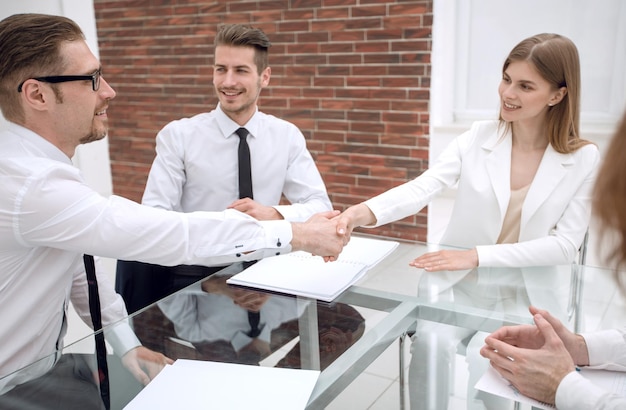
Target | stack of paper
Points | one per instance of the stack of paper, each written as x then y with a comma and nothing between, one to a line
191,385
300,273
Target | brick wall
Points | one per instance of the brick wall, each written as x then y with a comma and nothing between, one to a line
354,75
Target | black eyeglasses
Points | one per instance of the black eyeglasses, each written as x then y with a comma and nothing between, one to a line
54,79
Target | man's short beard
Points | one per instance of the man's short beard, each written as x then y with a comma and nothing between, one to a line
94,135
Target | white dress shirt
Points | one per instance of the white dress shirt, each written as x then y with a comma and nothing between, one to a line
607,350
199,316
196,166
49,218
555,213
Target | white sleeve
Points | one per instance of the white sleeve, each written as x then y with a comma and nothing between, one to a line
410,197
118,228
575,393
607,349
303,186
164,188
113,311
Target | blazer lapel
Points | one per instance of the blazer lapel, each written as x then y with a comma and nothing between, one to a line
498,164
552,169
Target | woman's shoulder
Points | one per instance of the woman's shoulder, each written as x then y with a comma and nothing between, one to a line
588,151
483,132
485,128
587,157
486,125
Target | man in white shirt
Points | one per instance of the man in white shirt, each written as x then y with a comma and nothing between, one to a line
213,314
541,361
55,98
196,167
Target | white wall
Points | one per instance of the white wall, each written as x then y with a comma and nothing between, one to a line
471,39
93,158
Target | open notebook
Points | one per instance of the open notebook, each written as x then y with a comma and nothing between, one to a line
300,273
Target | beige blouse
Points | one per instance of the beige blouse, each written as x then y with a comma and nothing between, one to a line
512,219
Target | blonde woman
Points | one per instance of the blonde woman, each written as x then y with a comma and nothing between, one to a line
546,355
523,199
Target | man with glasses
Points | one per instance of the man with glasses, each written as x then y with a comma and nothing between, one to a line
53,97
54,79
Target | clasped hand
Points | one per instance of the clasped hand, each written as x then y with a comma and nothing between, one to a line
534,359
256,210
246,299
319,235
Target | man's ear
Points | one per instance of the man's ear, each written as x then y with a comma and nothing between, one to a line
34,94
265,76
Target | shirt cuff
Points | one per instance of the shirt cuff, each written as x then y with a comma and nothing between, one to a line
278,236
484,254
600,346
576,392
377,206
121,338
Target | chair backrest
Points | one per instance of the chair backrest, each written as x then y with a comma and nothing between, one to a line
576,282
582,251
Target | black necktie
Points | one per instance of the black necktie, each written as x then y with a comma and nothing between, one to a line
245,191
96,320
245,171
254,318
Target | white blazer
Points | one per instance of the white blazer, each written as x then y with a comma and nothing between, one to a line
555,213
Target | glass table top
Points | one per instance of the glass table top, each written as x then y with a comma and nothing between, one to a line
342,338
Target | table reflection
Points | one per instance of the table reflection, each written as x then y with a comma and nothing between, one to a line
211,320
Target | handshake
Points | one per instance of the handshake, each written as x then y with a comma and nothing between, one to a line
326,233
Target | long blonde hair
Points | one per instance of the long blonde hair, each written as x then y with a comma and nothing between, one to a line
556,59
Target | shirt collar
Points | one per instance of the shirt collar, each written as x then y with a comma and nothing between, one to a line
228,126
44,147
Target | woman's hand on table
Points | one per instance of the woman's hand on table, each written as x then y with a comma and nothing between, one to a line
447,260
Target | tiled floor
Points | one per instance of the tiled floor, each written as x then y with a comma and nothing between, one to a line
377,388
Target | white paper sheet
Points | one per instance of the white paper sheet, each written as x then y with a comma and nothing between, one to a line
492,382
196,384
